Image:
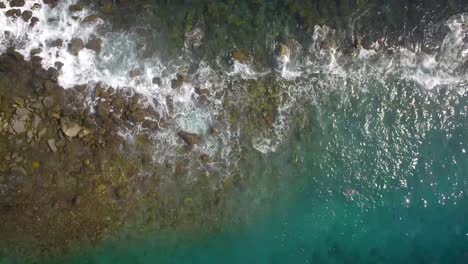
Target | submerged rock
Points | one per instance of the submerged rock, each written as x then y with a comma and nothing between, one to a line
91,19
26,15
76,8
94,44
189,138
75,46
56,43
17,3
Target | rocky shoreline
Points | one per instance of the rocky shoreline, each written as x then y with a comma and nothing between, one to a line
68,177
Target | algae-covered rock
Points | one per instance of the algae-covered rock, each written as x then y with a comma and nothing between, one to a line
189,138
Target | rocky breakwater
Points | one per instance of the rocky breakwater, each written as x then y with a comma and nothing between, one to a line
68,178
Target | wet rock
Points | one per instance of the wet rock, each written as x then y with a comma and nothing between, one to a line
137,116
58,43
36,6
202,91
53,74
58,65
51,144
103,109
135,73
75,46
94,44
241,55
19,126
2,5
157,80
26,15
37,86
17,3
35,51
284,51
91,19
189,138
76,8
36,59
34,21
49,85
12,13
70,129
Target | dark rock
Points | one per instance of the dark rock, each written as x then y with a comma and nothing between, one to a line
36,59
15,55
137,116
58,43
189,138
34,21
17,3
94,44
157,80
202,91
75,46
37,86
76,8
58,65
35,51
91,19
36,6
53,74
150,124
11,12
103,109
50,86
26,15
2,5
135,73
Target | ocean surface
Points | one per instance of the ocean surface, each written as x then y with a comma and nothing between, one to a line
368,162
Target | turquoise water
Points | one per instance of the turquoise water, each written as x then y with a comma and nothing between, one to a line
375,175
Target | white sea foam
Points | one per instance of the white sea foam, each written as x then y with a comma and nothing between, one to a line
304,70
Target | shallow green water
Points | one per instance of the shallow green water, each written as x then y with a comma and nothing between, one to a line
379,175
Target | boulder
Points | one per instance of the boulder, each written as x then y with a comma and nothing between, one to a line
91,19
17,3
51,144
12,12
94,44
35,51
189,138
241,55
34,21
26,15
103,109
58,65
76,8
53,74
58,43
75,46
19,126
36,6
70,129
157,80
2,5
